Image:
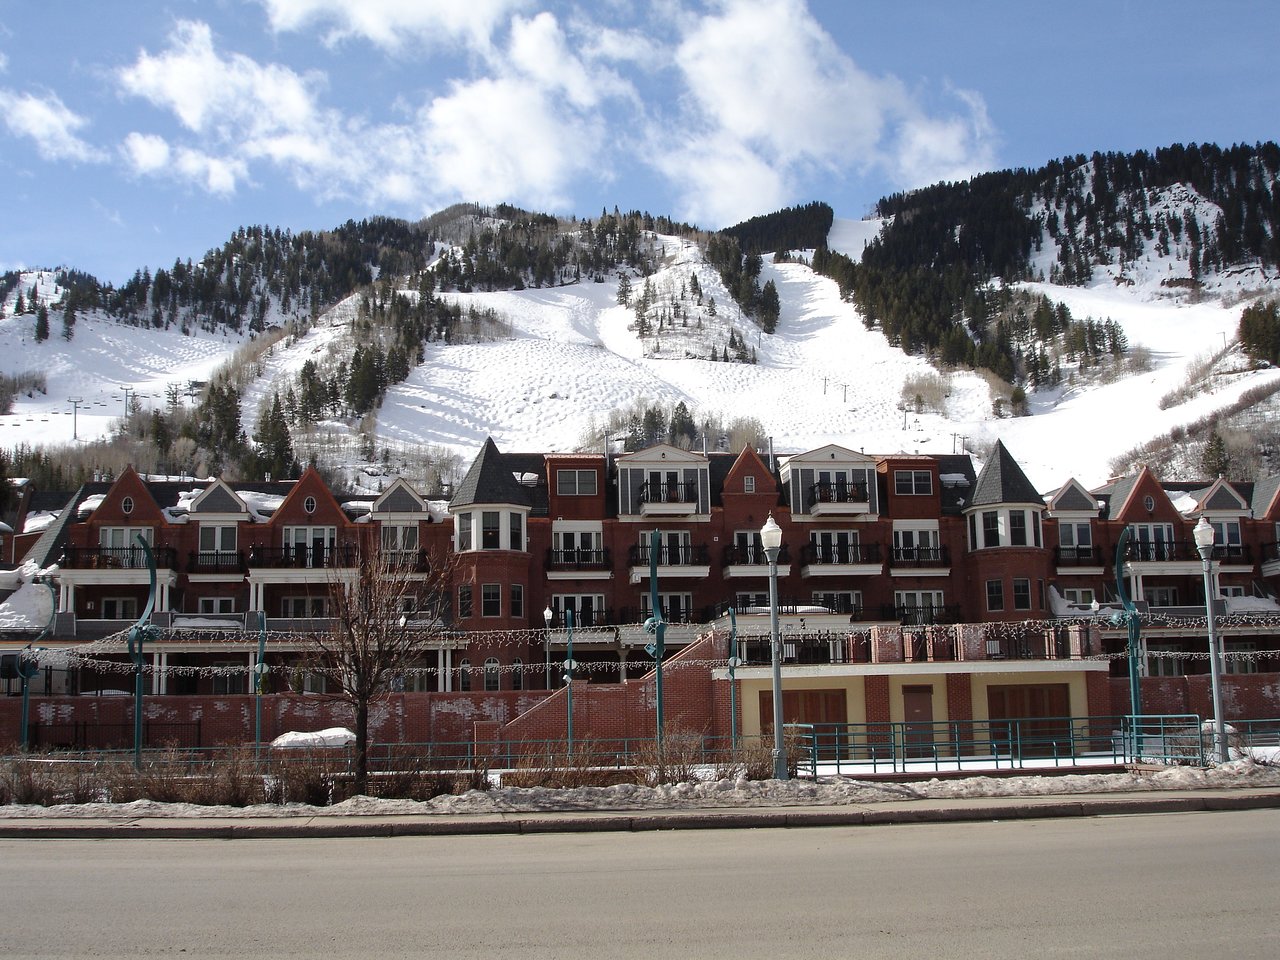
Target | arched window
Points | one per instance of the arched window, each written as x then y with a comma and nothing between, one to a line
517,674
492,676
464,675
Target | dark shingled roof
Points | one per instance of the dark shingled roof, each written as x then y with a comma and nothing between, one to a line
1002,481
491,480
955,495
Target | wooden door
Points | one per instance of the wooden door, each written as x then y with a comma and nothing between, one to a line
917,714
1042,710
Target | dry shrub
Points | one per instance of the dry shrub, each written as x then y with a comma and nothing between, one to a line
305,777
43,780
926,392
408,774
750,760
677,760
554,767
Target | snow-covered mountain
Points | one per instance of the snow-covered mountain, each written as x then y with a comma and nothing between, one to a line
566,356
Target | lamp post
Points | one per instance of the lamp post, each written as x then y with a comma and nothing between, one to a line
771,540
1203,535
547,616
568,676
734,662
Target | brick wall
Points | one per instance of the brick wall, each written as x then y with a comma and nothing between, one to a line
1244,696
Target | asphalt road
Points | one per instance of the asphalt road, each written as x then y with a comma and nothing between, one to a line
1177,885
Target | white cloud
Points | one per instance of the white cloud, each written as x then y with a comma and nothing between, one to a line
146,153
50,124
768,89
390,23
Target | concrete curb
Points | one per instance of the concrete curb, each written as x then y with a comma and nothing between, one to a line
907,812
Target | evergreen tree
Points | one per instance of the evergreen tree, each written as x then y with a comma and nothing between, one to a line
770,307
624,291
68,321
42,324
1215,461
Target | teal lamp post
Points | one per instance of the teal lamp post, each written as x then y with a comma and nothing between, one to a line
260,678
568,677
657,626
733,663
138,634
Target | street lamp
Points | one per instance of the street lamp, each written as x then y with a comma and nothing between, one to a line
547,616
1203,534
771,540
568,677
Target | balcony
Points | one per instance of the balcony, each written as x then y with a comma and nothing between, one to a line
226,561
1053,644
920,616
676,498
820,647
751,562
920,558
838,499
840,560
577,562
1077,557
119,558
280,558
791,607
682,560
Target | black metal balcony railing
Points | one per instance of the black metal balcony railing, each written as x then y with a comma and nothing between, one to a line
788,606
585,618
1185,550
338,555
921,645
838,493
122,558
848,553
1077,556
752,556
921,616
219,561
1030,645
676,491
578,558
808,648
921,557
672,555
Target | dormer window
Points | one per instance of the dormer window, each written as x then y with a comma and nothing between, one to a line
576,483
912,483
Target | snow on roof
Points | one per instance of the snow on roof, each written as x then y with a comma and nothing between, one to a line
38,520
90,504
953,479
1185,504
261,505
30,607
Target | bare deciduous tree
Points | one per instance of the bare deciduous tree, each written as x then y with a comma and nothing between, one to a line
387,608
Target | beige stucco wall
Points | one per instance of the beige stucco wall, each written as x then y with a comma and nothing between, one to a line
749,697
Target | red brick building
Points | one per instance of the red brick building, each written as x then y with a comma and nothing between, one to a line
911,588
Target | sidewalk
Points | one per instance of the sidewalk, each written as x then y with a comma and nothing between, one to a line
866,814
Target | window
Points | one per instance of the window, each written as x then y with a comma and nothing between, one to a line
995,595
1075,540
464,602
990,528
576,483
1230,591
1245,662
1162,660
839,601
676,607
835,546
916,607
119,608
1226,538
217,605
1078,595
746,600
464,675
126,505
516,525
517,674
1160,596
120,546
577,546
748,548
309,505
230,679
748,484
216,538
302,608
675,547
516,593
309,546
1021,594
1153,541
917,544
490,529
492,675
464,532
398,538
1017,528
588,609
491,600
918,483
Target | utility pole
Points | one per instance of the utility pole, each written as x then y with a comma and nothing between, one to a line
75,409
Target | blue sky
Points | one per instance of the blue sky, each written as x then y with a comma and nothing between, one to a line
140,131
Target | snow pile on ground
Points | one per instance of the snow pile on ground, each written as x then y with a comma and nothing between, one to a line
721,794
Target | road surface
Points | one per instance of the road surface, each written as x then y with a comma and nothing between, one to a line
1176,885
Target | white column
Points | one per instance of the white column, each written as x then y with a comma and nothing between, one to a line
157,660
445,680
66,597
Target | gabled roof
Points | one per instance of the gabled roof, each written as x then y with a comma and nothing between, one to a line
1073,498
1222,496
400,498
663,452
491,480
218,498
1265,491
1002,481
